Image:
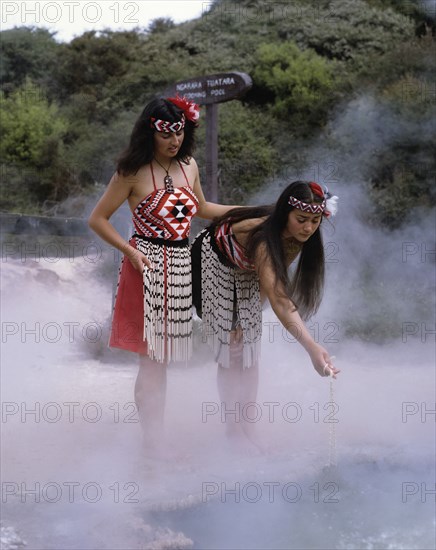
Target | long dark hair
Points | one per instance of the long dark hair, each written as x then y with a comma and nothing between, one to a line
307,284
140,150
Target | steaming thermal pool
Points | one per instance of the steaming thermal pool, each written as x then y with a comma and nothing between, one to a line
73,472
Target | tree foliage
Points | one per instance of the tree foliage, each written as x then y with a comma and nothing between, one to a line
99,65
305,57
31,126
248,156
31,145
300,84
161,24
26,53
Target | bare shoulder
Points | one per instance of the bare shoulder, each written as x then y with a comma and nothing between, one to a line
139,184
245,226
118,190
190,167
120,183
190,161
242,229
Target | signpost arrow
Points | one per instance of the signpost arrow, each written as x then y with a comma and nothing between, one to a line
211,90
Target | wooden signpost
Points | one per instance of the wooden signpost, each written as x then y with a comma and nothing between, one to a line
211,90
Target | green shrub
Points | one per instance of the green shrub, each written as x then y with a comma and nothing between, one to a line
411,95
347,30
301,84
27,53
246,153
30,126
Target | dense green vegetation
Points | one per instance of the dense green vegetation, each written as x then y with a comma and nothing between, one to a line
67,109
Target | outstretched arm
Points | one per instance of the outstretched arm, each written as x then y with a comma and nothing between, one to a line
208,210
289,316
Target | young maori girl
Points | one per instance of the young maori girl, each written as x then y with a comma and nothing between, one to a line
241,260
159,179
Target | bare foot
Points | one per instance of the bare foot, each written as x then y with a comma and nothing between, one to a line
163,451
238,441
252,434
241,446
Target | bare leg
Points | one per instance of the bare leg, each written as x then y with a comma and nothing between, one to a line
229,385
150,394
237,387
248,393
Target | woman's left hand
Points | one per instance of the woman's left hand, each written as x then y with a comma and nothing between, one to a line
322,362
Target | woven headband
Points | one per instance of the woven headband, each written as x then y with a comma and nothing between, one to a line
305,207
166,126
328,206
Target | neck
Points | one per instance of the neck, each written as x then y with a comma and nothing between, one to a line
164,160
289,239
291,244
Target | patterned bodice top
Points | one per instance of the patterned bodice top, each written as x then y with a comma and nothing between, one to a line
166,215
229,246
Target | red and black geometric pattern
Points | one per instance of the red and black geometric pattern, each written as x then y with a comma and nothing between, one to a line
230,247
166,126
305,207
165,215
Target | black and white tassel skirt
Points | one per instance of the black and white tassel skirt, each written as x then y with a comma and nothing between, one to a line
224,297
153,313
167,300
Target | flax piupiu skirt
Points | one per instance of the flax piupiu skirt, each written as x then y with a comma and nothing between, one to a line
153,311
225,297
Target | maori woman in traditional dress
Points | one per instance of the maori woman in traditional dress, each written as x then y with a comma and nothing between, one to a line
241,260
158,177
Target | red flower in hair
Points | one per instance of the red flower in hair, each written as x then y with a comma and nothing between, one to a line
191,110
316,189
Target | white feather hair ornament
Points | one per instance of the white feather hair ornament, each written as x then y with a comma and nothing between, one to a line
331,202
